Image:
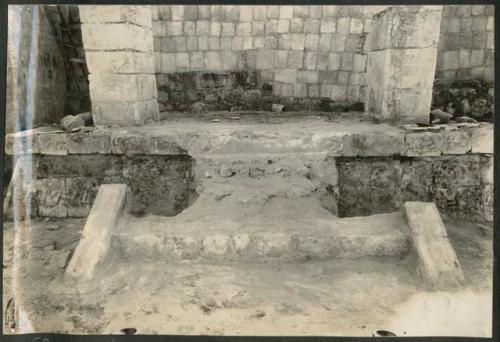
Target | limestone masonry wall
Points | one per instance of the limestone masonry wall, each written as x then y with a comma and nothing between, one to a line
298,51
466,43
202,53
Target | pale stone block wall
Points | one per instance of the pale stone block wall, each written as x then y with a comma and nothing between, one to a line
401,63
302,51
118,43
466,43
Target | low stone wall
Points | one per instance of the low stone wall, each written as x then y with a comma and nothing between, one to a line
379,167
457,184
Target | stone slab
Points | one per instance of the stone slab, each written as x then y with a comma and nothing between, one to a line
95,242
437,262
423,144
96,142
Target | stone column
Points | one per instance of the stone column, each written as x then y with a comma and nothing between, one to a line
402,63
118,43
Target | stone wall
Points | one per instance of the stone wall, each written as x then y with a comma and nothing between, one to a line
36,79
466,43
457,184
293,52
377,170
67,185
297,51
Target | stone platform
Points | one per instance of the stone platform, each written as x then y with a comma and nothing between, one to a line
166,164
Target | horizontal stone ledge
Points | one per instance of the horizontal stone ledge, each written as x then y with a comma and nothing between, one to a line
147,140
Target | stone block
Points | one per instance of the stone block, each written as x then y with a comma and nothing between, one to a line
423,144
53,144
177,12
246,13
482,139
297,25
98,141
343,25
397,27
24,142
124,113
139,15
94,245
373,144
213,60
168,63
295,60
113,37
119,62
286,12
297,41
217,246
437,262
283,26
79,195
51,197
307,76
215,28
456,142
265,60
126,142
285,75
122,87
328,25
272,12
228,29
311,26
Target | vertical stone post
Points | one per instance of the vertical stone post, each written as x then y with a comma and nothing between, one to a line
118,43
402,63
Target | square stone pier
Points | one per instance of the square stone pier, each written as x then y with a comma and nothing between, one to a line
118,43
402,63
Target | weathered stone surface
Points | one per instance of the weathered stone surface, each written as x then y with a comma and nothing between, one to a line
94,166
24,142
423,144
482,139
373,144
437,261
53,144
126,142
122,87
139,15
401,63
217,246
125,113
51,197
120,62
117,37
71,122
79,195
159,185
457,142
97,141
95,242
377,185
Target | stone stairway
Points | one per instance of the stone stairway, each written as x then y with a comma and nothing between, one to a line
259,208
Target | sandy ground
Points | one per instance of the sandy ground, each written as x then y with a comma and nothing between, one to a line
308,298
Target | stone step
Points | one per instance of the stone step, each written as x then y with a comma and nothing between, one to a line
225,241
259,165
